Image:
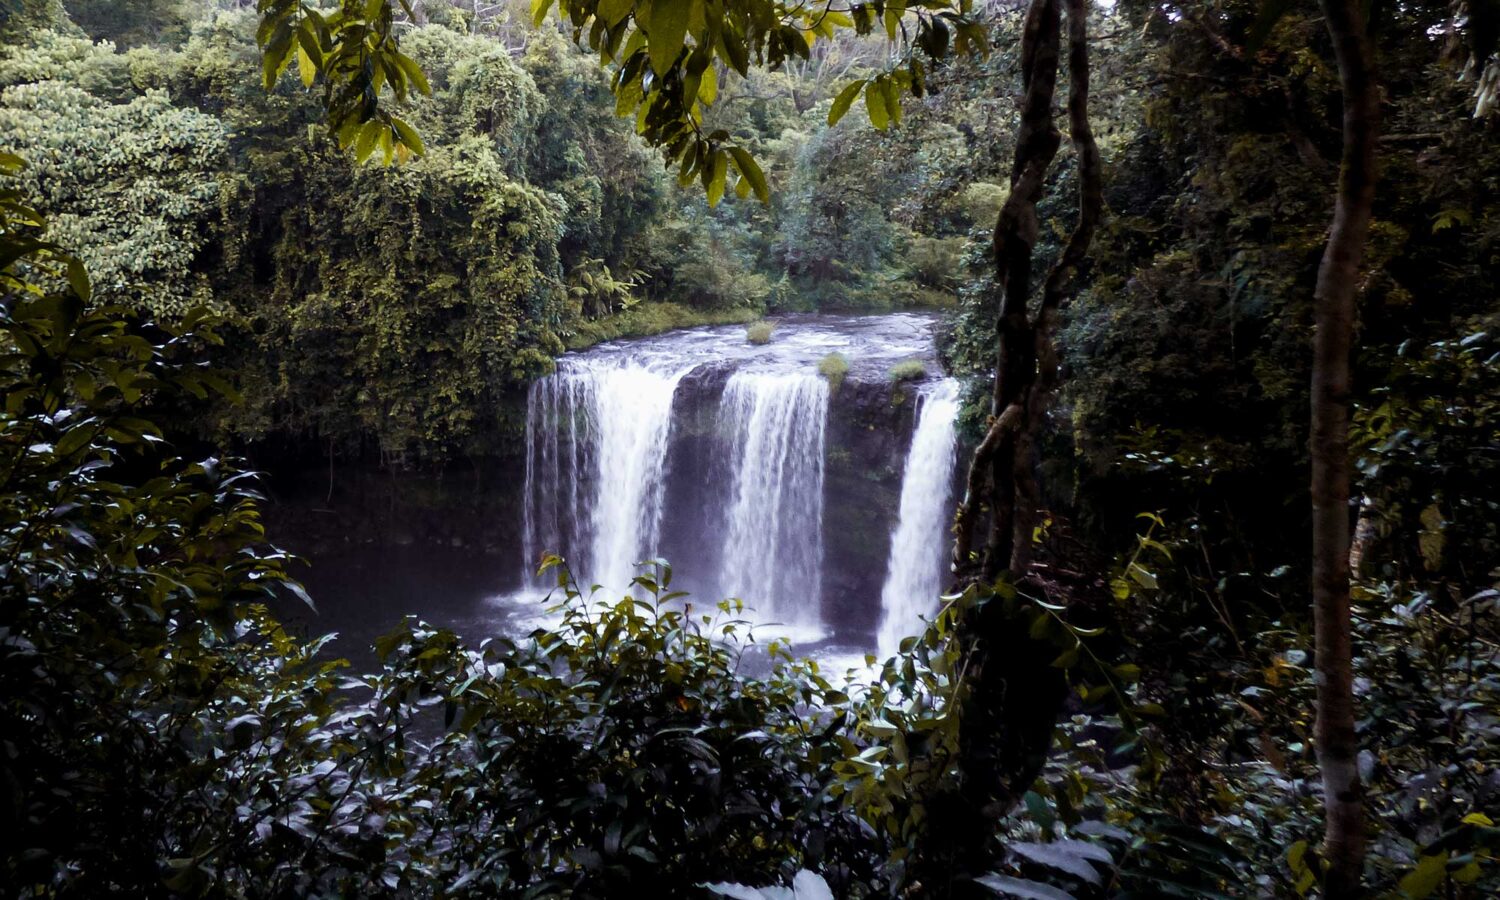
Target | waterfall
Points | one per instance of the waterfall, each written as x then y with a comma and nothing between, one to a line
773,532
918,545
711,451
596,449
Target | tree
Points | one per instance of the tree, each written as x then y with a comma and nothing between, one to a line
666,57
132,183
1003,470
1334,312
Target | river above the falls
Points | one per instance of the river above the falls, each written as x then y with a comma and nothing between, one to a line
817,489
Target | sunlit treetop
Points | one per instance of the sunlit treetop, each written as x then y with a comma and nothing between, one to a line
666,58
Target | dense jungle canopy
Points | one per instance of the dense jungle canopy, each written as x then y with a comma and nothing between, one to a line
305,275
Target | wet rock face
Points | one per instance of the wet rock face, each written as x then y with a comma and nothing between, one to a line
869,426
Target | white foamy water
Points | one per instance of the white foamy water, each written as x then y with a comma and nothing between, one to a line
914,575
596,440
773,535
711,451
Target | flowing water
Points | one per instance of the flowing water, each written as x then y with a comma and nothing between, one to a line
714,452
913,578
596,441
773,533
823,507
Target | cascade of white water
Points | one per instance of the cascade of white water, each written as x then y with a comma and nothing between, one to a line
633,409
918,545
773,534
596,450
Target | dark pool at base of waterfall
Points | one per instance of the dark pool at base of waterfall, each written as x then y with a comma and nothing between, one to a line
823,503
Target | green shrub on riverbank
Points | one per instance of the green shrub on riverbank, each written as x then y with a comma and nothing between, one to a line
907,370
646,319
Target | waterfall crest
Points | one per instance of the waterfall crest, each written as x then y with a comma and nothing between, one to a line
773,532
919,544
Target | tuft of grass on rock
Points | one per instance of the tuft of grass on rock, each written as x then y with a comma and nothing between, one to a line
908,370
834,367
759,332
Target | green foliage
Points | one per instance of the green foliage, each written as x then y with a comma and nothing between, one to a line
372,310
907,370
645,319
1421,442
1224,799
477,90
623,750
668,60
20,17
934,261
130,180
354,49
703,262
318,273
834,367
405,315
759,332
581,151
597,292
848,226
132,23
128,569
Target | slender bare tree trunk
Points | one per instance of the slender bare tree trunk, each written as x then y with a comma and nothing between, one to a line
1334,315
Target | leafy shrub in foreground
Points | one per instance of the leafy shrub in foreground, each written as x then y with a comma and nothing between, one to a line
622,750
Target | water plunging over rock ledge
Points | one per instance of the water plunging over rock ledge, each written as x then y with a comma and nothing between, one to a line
740,463
750,471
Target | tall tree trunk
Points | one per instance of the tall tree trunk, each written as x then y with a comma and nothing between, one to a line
1010,713
1002,474
1334,315
992,471
1060,284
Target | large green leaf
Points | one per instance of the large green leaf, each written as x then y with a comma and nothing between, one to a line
843,101
667,32
880,117
751,172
